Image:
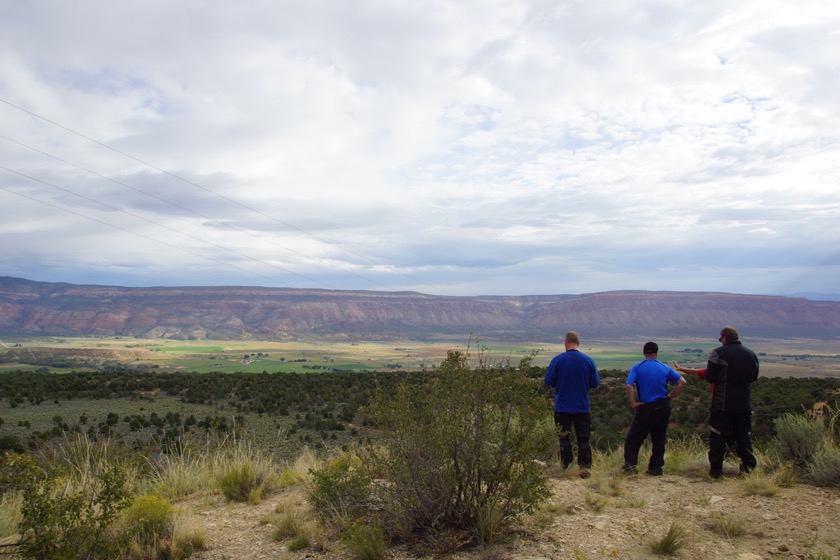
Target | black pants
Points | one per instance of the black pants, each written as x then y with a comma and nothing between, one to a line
582,424
723,426
650,419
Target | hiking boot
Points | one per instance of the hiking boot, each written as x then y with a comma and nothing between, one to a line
628,469
716,474
653,472
584,473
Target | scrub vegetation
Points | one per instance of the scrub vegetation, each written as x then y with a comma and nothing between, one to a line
453,457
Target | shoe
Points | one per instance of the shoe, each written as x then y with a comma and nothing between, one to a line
651,472
628,469
716,474
584,473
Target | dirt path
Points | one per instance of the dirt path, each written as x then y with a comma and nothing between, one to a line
602,517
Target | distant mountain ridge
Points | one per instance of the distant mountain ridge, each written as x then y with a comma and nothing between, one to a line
237,312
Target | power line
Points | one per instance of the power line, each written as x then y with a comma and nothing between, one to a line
223,197
91,218
133,215
185,209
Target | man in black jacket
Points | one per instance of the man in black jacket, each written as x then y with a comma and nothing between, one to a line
732,367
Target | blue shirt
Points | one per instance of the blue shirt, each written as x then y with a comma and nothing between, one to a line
651,378
572,374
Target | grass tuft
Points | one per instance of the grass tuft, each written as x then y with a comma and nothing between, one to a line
760,484
728,525
672,542
596,502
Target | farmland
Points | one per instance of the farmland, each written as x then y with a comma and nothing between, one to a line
779,357
290,395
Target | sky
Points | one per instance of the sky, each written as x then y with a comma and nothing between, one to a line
460,148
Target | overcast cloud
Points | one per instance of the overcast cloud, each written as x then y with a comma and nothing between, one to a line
450,147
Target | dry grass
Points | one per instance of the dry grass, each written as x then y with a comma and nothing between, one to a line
10,517
595,502
671,542
729,526
760,484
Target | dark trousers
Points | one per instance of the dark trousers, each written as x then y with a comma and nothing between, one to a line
582,424
650,419
724,427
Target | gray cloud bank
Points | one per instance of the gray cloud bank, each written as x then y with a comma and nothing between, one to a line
462,148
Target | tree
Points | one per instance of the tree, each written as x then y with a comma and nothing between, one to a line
462,450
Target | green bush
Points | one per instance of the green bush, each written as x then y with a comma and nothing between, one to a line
365,542
60,520
799,437
148,521
462,450
10,442
340,488
239,483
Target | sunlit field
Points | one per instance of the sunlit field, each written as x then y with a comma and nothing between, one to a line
779,358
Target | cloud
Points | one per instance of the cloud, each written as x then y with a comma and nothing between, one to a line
505,147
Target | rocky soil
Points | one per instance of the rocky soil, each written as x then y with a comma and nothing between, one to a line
605,516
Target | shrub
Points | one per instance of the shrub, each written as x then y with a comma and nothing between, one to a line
824,469
799,437
245,474
10,442
463,449
365,541
60,521
239,483
340,488
148,521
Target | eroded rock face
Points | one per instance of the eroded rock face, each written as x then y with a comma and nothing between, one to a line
276,313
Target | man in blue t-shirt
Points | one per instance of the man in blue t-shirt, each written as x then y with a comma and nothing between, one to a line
572,374
647,389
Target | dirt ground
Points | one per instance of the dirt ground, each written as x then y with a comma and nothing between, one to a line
605,516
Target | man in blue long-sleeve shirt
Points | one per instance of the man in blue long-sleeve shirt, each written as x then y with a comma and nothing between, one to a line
572,374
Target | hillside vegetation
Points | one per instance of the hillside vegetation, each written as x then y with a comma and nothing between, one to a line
284,412
459,460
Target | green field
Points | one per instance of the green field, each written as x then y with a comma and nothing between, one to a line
780,358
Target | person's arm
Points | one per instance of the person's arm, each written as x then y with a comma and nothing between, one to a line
678,388
550,376
701,373
594,378
680,368
631,396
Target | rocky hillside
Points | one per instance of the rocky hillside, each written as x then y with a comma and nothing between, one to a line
231,312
